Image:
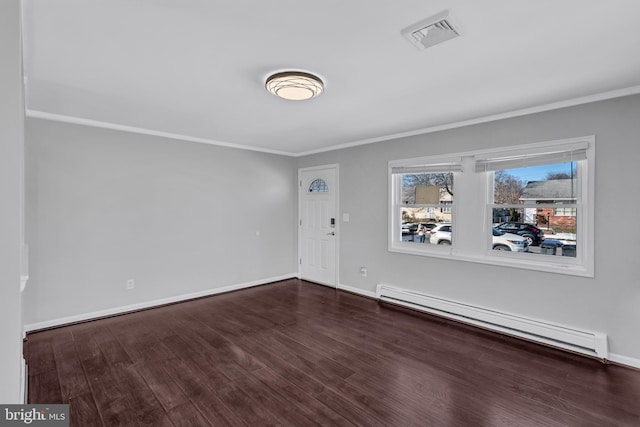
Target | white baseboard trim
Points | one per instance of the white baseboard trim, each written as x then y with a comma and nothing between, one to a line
624,360
149,304
358,291
24,382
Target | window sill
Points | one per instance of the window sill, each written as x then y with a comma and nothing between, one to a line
568,266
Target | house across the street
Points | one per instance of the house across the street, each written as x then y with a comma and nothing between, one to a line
554,191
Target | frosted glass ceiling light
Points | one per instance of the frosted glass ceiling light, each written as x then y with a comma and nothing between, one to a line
294,85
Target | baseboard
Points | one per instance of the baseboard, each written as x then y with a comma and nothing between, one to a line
624,360
354,290
148,304
24,382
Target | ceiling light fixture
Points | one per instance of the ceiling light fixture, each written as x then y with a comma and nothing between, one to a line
294,85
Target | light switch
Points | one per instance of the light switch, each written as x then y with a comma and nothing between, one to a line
345,217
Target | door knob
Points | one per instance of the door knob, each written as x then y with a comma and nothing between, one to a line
333,233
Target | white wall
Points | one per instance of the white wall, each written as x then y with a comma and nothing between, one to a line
11,160
105,206
610,302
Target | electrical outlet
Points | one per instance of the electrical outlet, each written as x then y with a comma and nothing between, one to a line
363,271
131,284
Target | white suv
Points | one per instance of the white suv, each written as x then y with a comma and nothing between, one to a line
441,235
509,242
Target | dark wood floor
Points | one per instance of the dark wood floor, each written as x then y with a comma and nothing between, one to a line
297,354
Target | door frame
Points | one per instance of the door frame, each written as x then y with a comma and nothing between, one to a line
337,227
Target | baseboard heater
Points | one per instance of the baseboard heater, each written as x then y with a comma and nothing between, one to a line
585,342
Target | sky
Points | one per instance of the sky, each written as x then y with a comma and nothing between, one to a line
539,173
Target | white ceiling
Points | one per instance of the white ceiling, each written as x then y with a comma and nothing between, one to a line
196,68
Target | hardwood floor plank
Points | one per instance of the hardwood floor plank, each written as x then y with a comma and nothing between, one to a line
187,415
212,341
348,410
376,404
189,326
45,388
281,410
610,405
112,350
338,351
140,398
201,336
73,381
203,396
308,405
141,343
245,407
110,399
165,389
285,369
83,411
86,346
41,358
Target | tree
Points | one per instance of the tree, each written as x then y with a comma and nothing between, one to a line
563,175
558,175
507,188
442,180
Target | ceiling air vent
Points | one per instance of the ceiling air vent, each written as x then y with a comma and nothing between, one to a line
431,31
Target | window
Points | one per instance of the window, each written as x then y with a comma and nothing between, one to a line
529,206
423,198
318,186
446,209
564,212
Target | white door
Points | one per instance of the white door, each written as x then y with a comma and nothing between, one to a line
318,224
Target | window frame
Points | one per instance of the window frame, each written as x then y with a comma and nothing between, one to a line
565,211
434,164
472,210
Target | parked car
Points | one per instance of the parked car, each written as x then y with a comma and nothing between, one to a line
428,225
532,233
441,235
509,242
412,227
409,228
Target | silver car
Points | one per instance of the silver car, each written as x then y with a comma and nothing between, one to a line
441,235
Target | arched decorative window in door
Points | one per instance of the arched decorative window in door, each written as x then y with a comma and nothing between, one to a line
318,186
